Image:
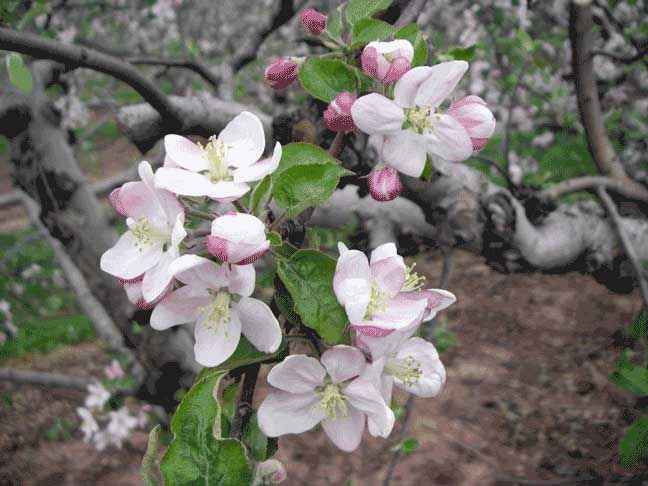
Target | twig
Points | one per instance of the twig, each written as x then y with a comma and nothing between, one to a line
193,65
32,377
591,183
337,145
625,241
244,404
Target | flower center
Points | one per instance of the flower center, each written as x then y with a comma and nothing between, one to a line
219,310
214,152
333,401
377,300
418,118
145,233
412,280
407,370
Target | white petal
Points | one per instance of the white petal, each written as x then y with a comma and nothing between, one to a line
179,307
400,313
389,274
183,182
376,114
260,169
433,372
437,300
241,279
178,233
185,153
158,278
441,81
244,140
297,373
398,47
345,432
227,191
342,248
364,396
258,324
199,272
128,259
216,341
385,250
137,200
407,86
405,152
448,139
343,362
239,228
351,270
289,413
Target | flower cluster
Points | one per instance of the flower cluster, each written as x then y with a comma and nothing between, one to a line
161,271
351,386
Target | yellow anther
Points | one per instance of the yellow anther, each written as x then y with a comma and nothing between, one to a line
413,281
215,152
333,401
407,370
418,118
218,311
377,300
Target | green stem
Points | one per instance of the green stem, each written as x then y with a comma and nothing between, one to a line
149,459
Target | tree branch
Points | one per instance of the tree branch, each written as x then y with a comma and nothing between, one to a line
622,59
244,410
31,377
591,183
196,66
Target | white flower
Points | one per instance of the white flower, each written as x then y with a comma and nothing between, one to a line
223,167
121,424
89,425
97,396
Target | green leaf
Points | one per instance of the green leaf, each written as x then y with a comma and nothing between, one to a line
335,23
524,40
362,9
426,175
150,457
301,153
198,455
260,446
408,446
285,303
305,186
308,276
463,53
628,377
411,33
261,196
19,74
639,328
324,78
635,442
368,30
274,238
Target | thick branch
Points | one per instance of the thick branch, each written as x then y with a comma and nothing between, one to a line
31,377
75,56
196,66
591,183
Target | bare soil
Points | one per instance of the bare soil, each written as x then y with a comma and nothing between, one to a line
527,399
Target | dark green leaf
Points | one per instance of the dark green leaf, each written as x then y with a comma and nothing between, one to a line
635,442
639,328
19,74
411,33
301,154
369,30
285,303
427,170
362,9
334,24
274,238
261,196
325,78
260,446
628,377
463,53
308,276
198,455
408,446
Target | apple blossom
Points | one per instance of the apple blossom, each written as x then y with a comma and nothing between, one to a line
335,392
337,116
89,425
237,238
121,424
155,220
383,295
409,127
114,371
384,184
133,288
217,298
281,73
473,114
387,61
221,169
313,21
97,396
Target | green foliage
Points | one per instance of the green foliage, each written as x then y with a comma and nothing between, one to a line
260,446
362,9
198,454
633,379
19,74
462,53
285,302
634,443
60,430
443,339
244,355
411,33
324,78
308,277
408,446
148,461
639,327
274,238
368,30
335,23
260,196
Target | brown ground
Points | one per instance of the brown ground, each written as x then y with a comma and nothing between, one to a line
527,397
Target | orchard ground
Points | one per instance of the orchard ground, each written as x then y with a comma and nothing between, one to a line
527,398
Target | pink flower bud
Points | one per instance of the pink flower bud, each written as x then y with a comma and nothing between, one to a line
270,472
116,202
237,238
473,114
337,117
387,61
281,73
313,21
134,293
384,184
114,371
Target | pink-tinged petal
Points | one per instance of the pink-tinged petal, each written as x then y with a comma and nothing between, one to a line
241,279
448,139
313,21
407,86
345,432
116,203
405,152
258,324
236,253
363,395
184,153
183,182
400,313
260,169
369,61
473,114
437,300
284,413
169,204
376,114
354,294
239,228
398,48
228,191
136,200
244,140
297,374
129,259
380,347
366,328
352,264
218,247
397,69
178,232
199,272
281,73
433,374
386,250
384,184
168,162
216,341
386,390
126,281
389,274
343,362
181,306
157,279
442,80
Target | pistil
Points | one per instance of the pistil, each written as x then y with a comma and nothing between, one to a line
407,370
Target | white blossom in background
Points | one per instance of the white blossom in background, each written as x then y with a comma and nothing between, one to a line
89,425
33,270
97,397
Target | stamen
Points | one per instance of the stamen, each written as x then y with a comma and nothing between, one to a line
214,152
144,233
377,301
333,401
418,118
407,370
412,279
218,311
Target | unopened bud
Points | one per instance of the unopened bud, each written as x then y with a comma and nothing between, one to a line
270,472
387,61
473,114
281,73
313,21
384,184
337,116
